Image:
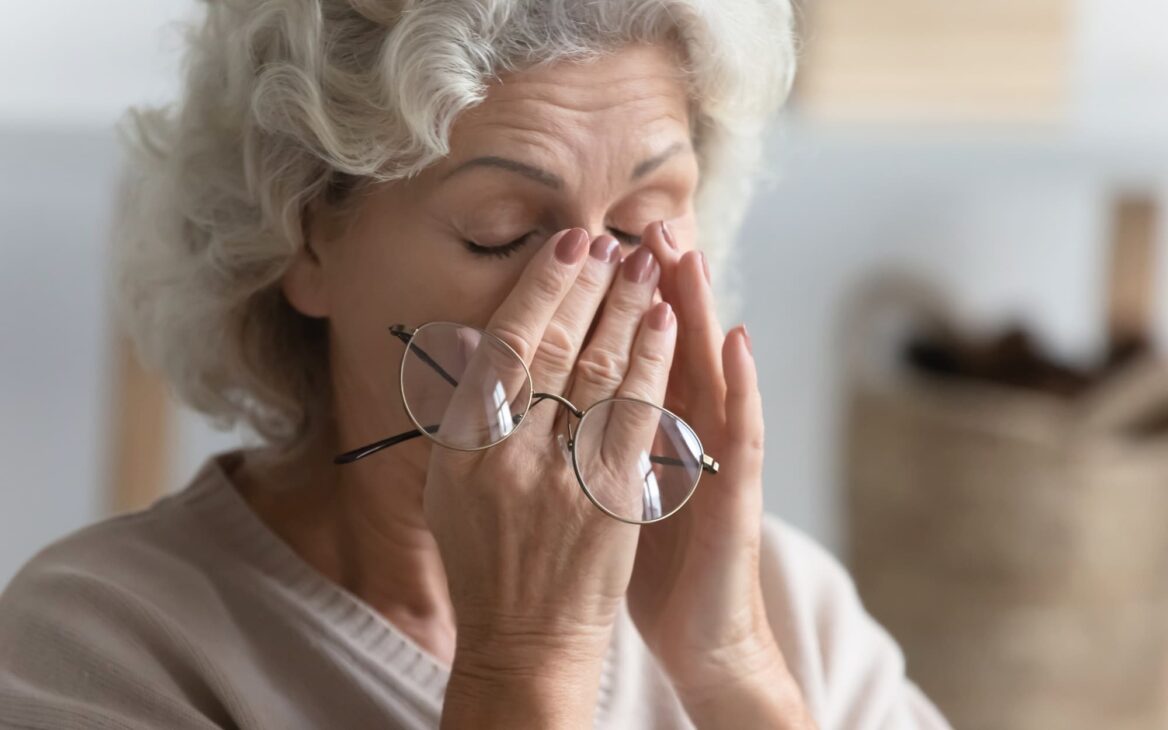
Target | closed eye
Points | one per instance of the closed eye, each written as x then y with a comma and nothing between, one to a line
501,251
505,250
625,237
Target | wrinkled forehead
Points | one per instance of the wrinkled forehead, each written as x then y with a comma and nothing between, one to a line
581,119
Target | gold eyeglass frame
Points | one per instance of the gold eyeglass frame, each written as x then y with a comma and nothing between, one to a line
406,335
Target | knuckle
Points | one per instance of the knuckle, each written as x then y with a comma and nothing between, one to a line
547,287
591,281
755,440
557,345
654,359
628,304
516,337
601,369
750,441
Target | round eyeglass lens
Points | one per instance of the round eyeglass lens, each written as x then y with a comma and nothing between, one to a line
463,387
638,462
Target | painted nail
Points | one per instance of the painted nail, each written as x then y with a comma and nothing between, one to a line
660,316
605,248
705,266
746,339
572,246
667,234
639,265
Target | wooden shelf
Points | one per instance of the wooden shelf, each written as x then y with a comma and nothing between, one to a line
936,60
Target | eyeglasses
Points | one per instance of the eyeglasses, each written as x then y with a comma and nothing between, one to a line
466,389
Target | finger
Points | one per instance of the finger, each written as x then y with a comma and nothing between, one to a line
523,316
468,421
555,356
741,464
602,365
629,485
652,355
659,238
700,343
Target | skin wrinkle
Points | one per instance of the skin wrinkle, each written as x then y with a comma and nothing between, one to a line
550,179
402,259
618,174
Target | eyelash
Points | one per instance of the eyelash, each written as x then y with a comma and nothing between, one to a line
505,250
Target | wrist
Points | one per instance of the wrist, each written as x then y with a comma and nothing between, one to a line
776,704
522,685
521,647
770,700
745,686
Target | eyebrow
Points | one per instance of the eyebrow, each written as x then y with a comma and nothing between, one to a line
644,167
551,180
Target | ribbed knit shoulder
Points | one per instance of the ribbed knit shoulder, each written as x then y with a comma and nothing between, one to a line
192,613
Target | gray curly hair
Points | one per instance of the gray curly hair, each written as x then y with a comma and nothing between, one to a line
290,102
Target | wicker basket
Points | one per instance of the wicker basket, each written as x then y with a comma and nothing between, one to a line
1014,542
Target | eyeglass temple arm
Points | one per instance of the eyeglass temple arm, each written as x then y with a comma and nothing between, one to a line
399,331
708,462
368,449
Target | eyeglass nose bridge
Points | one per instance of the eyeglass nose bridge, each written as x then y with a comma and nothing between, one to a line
538,397
569,443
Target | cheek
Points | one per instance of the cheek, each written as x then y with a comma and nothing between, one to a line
412,278
484,286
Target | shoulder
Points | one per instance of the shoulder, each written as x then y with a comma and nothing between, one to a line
93,625
127,556
850,669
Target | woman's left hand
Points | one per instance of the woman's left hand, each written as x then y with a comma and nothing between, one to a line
695,594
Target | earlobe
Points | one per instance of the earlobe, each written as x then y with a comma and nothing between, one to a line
304,283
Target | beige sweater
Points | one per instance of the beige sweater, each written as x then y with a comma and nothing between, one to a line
192,614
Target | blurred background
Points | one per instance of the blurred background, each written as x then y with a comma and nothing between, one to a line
1007,159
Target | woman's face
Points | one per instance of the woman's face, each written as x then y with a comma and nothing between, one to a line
602,146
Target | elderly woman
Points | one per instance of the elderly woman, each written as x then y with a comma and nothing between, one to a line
447,258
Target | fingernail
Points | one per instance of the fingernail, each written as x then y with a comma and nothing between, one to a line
746,339
705,266
605,248
638,267
572,246
667,234
660,316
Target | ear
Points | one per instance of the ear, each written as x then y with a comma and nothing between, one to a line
305,283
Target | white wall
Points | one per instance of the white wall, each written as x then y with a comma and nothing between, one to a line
78,64
1012,225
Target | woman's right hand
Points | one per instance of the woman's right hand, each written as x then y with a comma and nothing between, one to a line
536,573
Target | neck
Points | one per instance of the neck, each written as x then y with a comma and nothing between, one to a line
361,526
